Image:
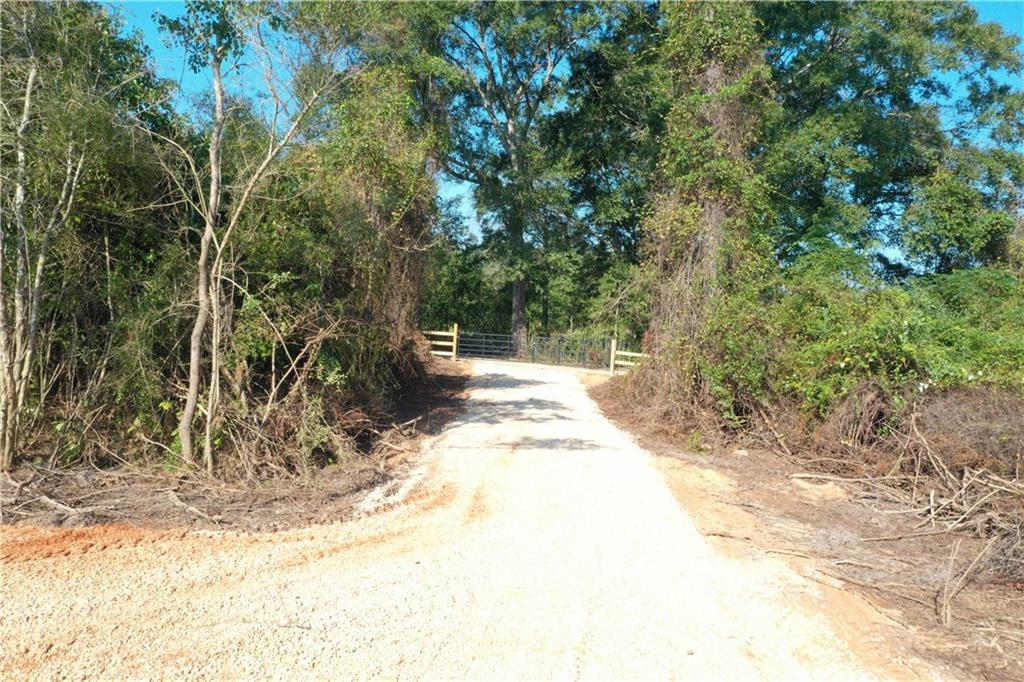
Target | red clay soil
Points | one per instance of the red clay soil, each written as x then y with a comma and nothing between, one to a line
37,543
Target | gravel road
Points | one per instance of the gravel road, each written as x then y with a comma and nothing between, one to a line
534,541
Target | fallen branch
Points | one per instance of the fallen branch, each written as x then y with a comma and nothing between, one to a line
59,505
877,588
904,536
788,552
189,508
945,604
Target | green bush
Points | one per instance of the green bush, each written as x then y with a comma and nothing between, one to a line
829,325
975,327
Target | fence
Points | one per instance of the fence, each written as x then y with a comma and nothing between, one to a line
445,344
556,350
480,345
623,358
568,350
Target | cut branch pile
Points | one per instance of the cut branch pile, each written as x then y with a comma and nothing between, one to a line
80,496
971,499
959,487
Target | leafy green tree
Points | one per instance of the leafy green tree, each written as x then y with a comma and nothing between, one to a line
214,36
708,224
621,306
505,72
877,98
464,285
951,224
609,132
65,154
864,144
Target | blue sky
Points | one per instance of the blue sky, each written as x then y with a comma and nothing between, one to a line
1009,14
170,63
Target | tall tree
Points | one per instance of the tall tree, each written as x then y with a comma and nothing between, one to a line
68,80
609,132
706,227
506,72
887,107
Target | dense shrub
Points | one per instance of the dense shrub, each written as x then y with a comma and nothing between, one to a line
829,325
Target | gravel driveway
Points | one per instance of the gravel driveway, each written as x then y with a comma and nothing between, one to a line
535,541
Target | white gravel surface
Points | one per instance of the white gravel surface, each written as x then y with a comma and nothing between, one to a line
537,542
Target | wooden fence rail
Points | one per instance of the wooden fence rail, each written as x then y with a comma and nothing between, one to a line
444,343
616,356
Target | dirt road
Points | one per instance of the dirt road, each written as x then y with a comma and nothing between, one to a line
534,541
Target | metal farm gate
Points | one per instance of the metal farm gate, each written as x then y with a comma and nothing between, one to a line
551,350
576,351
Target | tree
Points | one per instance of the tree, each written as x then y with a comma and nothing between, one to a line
213,34
879,102
75,80
506,72
818,157
950,224
609,133
707,225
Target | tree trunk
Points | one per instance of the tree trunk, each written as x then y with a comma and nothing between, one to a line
545,309
195,357
701,222
11,347
519,333
17,345
516,234
213,392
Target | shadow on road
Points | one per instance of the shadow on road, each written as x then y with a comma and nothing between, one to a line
551,444
528,410
493,380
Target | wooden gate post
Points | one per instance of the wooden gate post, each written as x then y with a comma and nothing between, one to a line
455,340
611,361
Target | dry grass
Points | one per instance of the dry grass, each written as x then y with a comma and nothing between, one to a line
955,458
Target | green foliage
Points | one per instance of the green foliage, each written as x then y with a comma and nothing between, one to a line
313,433
621,306
607,136
951,225
877,98
100,287
885,186
464,286
835,325
830,325
974,329
323,267
783,200
208,31
320,282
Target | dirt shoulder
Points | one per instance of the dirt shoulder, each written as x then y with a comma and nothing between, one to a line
152,496
870,554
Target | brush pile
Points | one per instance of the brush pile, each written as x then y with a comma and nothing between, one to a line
957,459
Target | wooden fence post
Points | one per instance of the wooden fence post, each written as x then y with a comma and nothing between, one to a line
455,340
611,361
